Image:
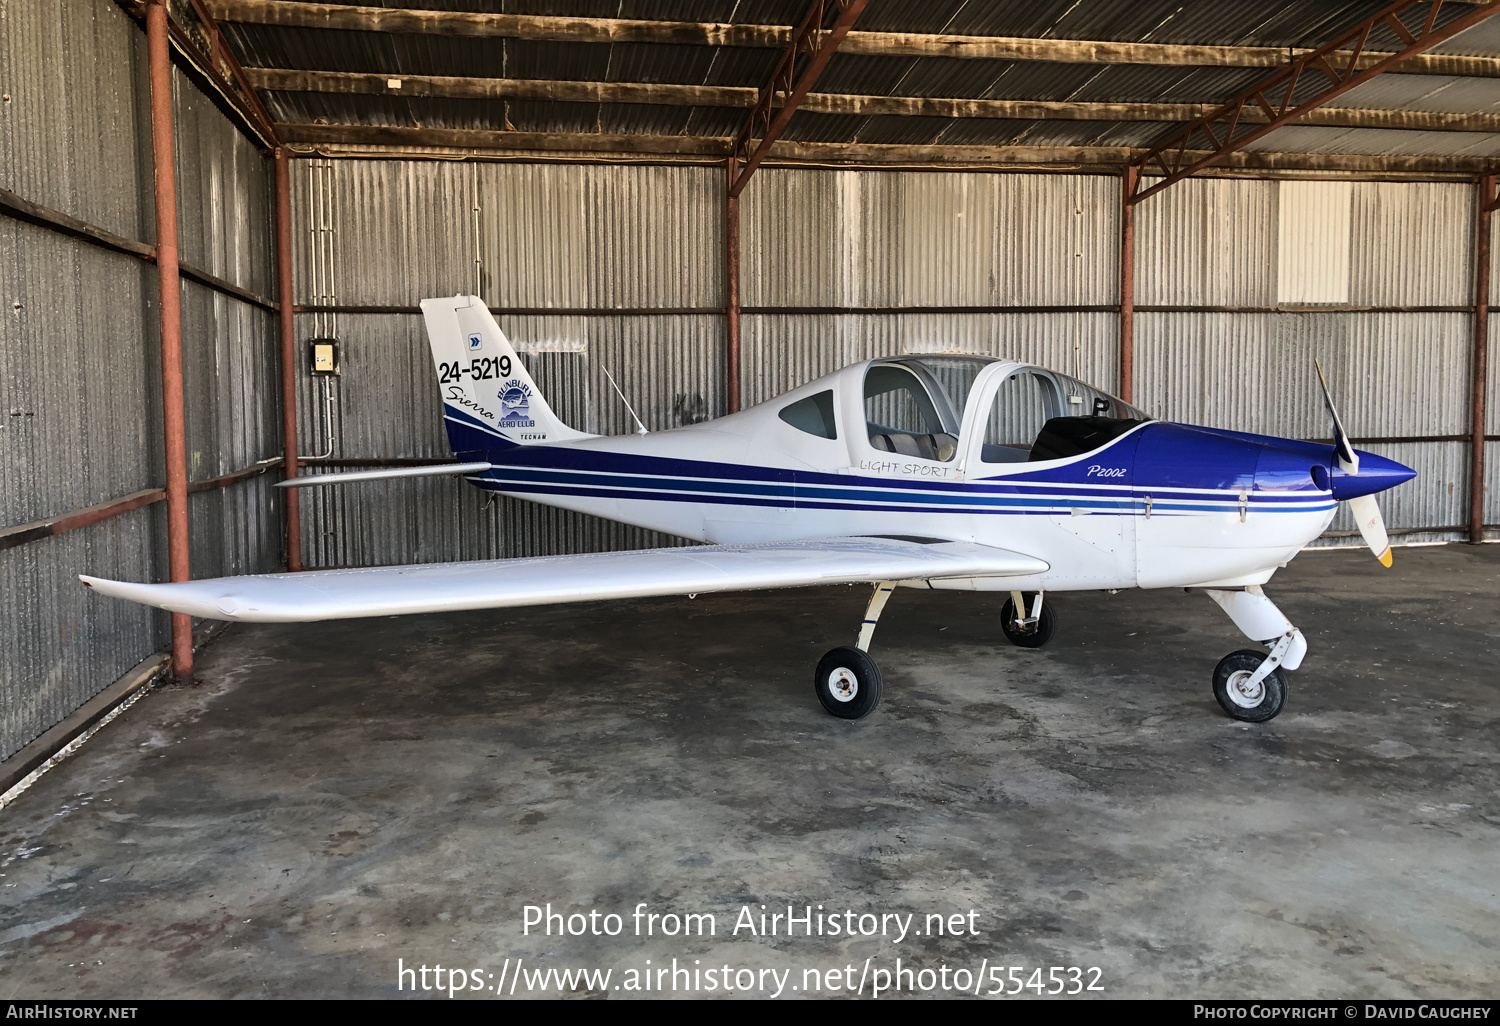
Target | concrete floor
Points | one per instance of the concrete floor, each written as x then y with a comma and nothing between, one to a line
339,796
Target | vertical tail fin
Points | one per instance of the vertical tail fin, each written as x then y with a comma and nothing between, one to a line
489,401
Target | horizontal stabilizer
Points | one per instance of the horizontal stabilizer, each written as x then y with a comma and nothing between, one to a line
543,580
433,470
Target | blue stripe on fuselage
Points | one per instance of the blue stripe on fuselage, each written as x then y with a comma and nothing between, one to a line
569,470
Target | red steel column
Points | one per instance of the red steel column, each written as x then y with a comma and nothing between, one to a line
1481,356
1127,283
171,324
288,355
732,278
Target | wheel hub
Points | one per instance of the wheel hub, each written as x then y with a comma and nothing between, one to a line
843,684
1242,692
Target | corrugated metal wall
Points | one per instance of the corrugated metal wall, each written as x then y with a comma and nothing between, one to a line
80,410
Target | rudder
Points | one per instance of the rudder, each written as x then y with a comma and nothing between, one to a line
489,400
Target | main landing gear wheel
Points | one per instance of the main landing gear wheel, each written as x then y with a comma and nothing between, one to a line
1027,636
848,683
1254,703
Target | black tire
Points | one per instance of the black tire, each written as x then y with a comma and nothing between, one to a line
1033,637
1252,708
855,691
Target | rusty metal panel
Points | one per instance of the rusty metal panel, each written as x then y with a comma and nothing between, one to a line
554,235
232,421
231,404
1391,374
1492,482
77,359
1215,242
384,232
1413,244
79,372
882,239
1207,242
61,643
1492,394
523,235
1471,230
79,354
72,127
224,195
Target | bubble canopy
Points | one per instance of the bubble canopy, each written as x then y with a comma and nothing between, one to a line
929,394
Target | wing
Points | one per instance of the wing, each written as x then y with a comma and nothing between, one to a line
447,587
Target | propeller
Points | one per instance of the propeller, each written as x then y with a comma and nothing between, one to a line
1366,511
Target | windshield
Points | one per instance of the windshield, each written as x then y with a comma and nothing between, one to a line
1087,401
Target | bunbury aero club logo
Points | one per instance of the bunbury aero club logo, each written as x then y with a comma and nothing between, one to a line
515,404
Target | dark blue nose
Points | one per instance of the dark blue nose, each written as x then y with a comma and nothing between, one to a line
1376,474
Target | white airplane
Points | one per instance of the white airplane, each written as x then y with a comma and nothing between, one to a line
925,471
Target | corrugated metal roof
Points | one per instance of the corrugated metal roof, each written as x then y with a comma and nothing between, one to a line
1442,93
1263,23
1317,139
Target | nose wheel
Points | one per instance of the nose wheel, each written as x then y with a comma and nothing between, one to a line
1245,693
1250,685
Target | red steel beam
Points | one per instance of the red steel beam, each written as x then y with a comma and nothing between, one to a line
1274,94
288,355
160,65
1486,205
20,534
732,289
789,87
1127,283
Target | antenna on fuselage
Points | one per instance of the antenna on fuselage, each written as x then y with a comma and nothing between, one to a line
642,428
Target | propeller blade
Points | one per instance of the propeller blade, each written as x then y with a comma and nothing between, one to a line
1348,458
1372,526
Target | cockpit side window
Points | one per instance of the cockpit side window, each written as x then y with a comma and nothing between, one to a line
813,415
902,417
1024,403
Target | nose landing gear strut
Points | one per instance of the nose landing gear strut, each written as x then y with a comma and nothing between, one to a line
1250,685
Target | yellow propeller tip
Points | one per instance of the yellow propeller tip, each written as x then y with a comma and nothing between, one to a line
1385,559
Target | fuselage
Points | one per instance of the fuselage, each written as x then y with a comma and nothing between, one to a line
1023,459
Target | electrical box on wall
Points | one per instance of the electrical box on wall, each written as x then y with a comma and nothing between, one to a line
323,355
